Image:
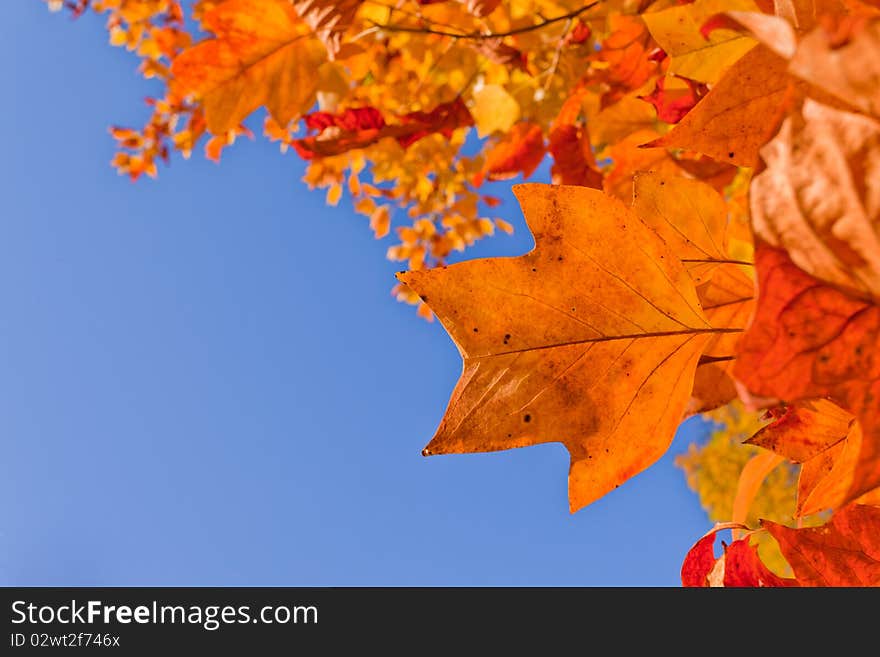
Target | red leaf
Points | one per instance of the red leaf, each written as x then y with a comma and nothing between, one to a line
673,104
743,567
809,340
573,162
579,34
843,552
740,564
699,562
362,127
443,119
520,151
357,118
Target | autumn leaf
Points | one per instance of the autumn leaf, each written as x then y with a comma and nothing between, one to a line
692,55
259,56
715,471
841,57
520,151
738,566
803,430
573,160
494,110
827,478
739,114
570,147
590,340
817,198
673,97
843,552
363,127
810,340
756,470
626,54
692,218
827,440
329,20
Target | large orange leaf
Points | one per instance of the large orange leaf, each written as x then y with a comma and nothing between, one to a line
811,340
261,54
692,218
591,340
843,552
818,197
740,114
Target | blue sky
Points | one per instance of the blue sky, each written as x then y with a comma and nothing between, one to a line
204,380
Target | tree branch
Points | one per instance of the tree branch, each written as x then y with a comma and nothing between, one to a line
477,36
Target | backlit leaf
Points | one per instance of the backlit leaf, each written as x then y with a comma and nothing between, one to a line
259,55
590,340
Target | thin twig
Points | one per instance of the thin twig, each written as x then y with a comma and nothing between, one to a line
491,35
551,73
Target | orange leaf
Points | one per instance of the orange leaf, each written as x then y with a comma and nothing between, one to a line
811,340
740,114
591,340
804,430
626,51
692,218
260,55
753,474
826,478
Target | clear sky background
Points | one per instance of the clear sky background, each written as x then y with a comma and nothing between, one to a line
205,381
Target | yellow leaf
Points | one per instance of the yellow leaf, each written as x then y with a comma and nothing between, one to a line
692,55
494,110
